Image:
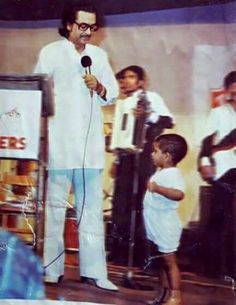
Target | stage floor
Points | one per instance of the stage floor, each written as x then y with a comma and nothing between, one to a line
196,290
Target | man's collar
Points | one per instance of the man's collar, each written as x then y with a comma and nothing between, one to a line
137,92
70,45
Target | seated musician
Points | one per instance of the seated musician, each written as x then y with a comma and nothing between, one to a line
157,117
217,166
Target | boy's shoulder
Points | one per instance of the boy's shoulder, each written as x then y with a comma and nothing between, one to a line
167,174
167,171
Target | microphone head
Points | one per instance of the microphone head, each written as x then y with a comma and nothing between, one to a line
86,61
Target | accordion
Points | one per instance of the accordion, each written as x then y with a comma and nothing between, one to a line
129,132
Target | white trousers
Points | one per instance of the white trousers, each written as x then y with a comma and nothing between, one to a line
87,187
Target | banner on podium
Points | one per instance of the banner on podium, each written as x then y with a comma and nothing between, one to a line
20,113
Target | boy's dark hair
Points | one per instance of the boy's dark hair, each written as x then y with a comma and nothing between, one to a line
69,15
136,69
229,79
174,144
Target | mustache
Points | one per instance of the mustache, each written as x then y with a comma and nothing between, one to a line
85,36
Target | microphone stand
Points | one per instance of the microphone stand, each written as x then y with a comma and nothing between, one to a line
128,277
128,281
139,141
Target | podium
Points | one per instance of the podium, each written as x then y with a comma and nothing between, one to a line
26,102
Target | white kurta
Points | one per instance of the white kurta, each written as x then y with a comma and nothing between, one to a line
69,127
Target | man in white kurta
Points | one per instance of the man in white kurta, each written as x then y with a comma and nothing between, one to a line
76,145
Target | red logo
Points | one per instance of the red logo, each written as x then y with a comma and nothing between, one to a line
12,143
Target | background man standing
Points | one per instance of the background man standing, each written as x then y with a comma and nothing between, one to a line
132,80
217,166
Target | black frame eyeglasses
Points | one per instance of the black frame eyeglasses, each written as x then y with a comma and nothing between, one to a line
84,26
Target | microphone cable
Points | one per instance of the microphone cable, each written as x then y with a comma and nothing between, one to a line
83,179
84,157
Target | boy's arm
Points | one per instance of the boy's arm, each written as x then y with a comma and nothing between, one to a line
167,192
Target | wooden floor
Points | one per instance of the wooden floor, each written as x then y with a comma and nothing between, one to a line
196,290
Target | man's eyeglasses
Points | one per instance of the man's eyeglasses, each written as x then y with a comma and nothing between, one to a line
84,26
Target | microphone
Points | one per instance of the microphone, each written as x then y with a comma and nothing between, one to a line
86,62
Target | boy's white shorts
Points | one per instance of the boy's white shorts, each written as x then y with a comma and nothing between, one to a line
163,228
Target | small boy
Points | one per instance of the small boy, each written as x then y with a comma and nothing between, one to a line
164,191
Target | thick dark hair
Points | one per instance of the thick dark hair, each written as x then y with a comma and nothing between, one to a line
174,144
229,79
141,74
70,14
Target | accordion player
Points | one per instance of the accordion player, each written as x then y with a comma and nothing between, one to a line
129,132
